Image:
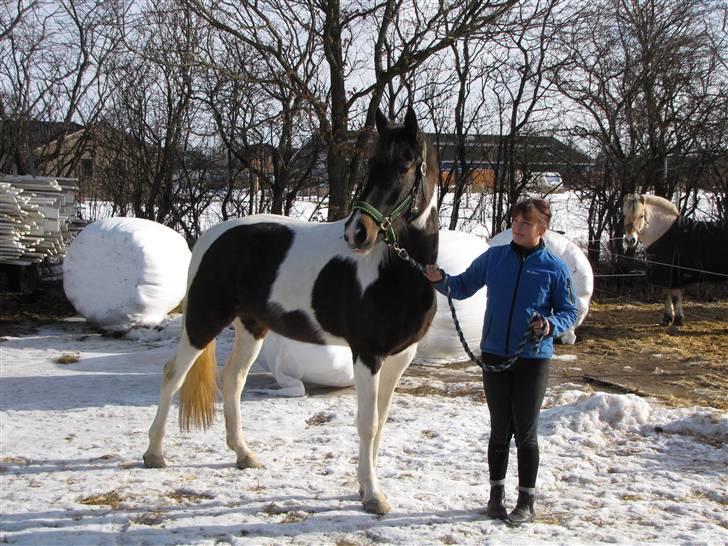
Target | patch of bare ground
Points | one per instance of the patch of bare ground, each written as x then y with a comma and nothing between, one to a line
621,348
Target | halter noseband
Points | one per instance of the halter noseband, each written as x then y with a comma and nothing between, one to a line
385,221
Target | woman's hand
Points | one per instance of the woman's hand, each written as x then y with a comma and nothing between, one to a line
540,327
432,273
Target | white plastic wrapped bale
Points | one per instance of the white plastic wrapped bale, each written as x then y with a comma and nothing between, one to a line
578,263
124,272
293,362
441,343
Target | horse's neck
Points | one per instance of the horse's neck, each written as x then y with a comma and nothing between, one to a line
659,221
421,245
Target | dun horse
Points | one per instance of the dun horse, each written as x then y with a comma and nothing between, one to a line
332,283
680,250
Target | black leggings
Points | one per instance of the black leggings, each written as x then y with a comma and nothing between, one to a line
514,399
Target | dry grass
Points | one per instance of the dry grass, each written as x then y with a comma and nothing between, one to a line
68,358
623,343
111,499
320,418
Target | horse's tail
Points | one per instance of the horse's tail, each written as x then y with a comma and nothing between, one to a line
198,392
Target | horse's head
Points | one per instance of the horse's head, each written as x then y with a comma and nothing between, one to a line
634,211
399,188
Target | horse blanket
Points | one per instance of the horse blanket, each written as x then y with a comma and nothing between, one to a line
688,244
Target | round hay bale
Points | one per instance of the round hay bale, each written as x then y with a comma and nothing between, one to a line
441,343
124,272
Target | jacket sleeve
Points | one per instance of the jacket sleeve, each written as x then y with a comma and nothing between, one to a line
468,282
563,304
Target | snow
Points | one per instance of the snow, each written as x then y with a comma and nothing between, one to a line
124,272
614,468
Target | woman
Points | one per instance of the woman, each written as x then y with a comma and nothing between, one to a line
522,278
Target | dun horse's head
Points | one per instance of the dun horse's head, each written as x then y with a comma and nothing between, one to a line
635,218
399,186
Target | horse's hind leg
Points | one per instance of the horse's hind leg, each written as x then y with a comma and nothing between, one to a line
667,316
246,349
175,371
677,304
392,369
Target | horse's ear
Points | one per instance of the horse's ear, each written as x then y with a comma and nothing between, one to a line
643,199
381,121
410,122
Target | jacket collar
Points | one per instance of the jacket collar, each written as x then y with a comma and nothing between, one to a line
523,252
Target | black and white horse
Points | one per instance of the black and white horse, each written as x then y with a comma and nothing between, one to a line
327,283
680,251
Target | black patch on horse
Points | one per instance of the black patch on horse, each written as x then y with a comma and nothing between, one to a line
686,252
234,279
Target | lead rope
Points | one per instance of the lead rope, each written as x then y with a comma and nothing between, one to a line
528,336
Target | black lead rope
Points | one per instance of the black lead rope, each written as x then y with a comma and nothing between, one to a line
528,337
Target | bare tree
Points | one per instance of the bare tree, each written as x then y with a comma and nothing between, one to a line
646,78
410,32
52,61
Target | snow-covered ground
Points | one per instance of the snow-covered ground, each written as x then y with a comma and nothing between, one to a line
615,468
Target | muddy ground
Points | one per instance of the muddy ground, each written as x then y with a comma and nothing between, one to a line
620,348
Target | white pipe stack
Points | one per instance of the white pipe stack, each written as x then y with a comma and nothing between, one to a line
35,213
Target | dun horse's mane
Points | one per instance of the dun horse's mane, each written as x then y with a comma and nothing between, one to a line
662,204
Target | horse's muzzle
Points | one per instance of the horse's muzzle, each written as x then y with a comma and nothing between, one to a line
360,233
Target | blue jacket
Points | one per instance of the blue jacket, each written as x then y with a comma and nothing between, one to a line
518,284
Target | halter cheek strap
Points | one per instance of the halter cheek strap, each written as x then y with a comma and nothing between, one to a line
410,202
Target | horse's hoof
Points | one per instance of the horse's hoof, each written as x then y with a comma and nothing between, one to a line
248,461
666,320
377,506
154,461
679,320
673,330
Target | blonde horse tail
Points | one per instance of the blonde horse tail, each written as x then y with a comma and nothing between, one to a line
198,392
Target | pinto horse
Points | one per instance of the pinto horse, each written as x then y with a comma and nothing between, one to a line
339,283
680,251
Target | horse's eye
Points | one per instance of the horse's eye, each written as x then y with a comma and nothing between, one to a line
404,167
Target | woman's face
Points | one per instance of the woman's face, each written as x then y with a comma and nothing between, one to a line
526,233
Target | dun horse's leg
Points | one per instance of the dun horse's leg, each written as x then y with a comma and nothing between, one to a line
367,423
668,314
677,304
392,369
234,375
175,371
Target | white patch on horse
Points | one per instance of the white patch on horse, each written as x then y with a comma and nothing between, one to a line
431,208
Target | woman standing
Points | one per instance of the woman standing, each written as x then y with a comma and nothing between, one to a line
522,278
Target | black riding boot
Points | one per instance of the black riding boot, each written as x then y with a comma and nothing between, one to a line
523,512
496,507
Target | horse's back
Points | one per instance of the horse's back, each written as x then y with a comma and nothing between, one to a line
688,253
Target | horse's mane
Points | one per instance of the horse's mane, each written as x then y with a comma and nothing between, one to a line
662,203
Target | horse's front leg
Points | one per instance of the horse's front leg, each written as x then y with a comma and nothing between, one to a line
392,369
367,420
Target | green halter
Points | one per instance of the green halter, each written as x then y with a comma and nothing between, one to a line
385,221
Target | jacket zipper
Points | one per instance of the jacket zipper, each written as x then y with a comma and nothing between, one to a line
513,302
